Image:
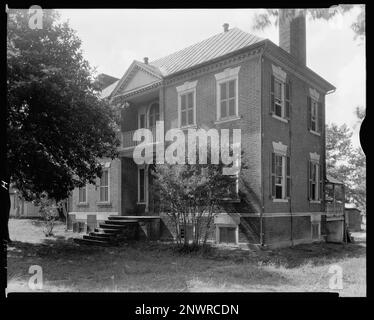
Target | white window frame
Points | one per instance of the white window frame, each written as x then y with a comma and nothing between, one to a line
100,186
282,102
144,201
284,178
226,76
186,88
316,167
315,161
86,194
280,150
281,77
218,233
314,104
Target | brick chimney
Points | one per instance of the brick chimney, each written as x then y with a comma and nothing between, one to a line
225,27
292,33
145,60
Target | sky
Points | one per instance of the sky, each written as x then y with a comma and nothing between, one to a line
113,38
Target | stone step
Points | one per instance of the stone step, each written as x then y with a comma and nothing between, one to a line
120,222
92,242
105,230
103,235
133,217
97,238
111,226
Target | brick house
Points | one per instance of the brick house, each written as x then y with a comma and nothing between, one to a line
231,80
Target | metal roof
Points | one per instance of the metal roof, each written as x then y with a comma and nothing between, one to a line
206,50
108,90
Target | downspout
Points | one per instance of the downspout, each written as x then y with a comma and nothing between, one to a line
262,149
290,149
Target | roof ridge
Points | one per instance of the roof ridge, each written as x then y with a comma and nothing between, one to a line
157,62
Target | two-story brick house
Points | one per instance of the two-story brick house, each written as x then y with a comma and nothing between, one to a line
236,80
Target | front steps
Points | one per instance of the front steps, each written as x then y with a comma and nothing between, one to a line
117,229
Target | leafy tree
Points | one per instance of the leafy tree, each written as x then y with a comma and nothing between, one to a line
57,126
190,195
346,163
271,16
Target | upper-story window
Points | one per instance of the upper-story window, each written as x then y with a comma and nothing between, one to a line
187,104
154,114
227,94
104,186
280,173
82,194
314,115
314,112
280,92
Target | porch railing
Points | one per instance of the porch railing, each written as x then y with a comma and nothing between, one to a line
127,138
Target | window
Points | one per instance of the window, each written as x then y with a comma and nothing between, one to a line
141,185
82,194
187,109
314,114
187,104
280,177
314,181
154,114
280,92
278,98
227,235
227,94
104,187
141,123
228,99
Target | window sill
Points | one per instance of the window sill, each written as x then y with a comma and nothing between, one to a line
315,132
279,118
224,120
191,126
82,204
280,200
141,203
315,201
104,204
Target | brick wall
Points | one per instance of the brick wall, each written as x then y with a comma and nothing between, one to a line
300,143
277,230
93,192
249,123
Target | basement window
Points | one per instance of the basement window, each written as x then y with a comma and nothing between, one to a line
227,235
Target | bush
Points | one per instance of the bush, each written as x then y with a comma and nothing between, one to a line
48,211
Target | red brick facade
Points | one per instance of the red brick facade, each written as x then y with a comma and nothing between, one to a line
263,221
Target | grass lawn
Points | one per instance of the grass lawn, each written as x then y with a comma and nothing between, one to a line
157,267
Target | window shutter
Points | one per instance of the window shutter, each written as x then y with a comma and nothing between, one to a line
288,177
320,118
321,179
309,111
288,94
272,175
309,180
272,102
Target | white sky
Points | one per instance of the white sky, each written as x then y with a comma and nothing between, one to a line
113,38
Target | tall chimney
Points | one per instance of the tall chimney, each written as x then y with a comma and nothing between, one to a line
292,33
